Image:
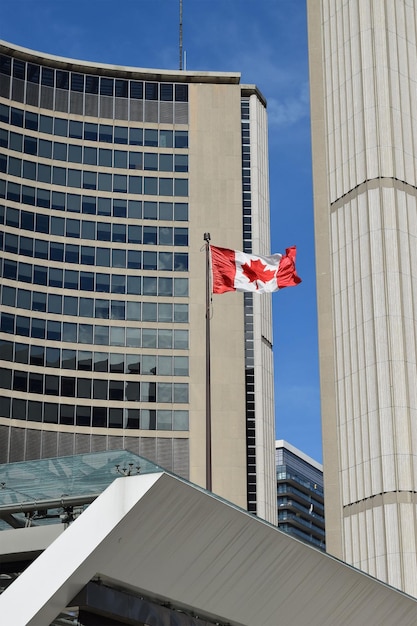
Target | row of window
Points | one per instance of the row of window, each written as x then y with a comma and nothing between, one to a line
88,361
95,308
45,198
63,177
248,308
89,281
96,416
107,133
88,255
103,157
93,84
89,205
96,389
94,334
107,207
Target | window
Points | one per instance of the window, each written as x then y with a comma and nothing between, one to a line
149,311
39,301
91,84
74,180
104,182
53,330
75,131
117,363
180,187
83,415
41,249
90,156
99,416
181,163
6,350
105,157
165,187
91,130
120,183
89,182
38,328
60,151
85,361
136,90
34,413
44,173
66,414
84,388
100,362
20,380
181,93
86,307
135,160
61,126
77,82
181,139
180,420
150,161
54,303
133,310
181,211
166,162
166,92
164,420
50,413
35,383
85,334
106,133
120,134
75,154
100,389
68,386
151,91
52,357
136,136
151,137
70,305
30,146
16,142
57,226
119,208
69,332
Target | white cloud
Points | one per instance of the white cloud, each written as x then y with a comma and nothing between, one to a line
289,110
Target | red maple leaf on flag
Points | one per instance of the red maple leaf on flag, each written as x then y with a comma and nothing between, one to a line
257,271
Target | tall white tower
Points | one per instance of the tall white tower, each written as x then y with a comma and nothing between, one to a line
363,74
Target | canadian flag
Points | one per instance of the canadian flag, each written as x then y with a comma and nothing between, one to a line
237,271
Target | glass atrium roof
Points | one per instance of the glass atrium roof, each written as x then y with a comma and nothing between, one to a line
64,481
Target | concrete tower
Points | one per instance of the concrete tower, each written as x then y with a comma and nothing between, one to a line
363,76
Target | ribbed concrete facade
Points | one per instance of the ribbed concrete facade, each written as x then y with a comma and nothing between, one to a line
109,177
363,74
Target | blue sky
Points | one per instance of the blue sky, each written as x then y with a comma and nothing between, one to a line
266,41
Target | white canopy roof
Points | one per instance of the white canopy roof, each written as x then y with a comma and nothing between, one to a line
161,536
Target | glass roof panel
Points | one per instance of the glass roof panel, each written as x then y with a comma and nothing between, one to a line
68,476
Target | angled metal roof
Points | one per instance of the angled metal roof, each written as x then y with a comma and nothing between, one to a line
158,535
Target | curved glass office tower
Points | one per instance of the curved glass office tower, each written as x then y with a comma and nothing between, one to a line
109,178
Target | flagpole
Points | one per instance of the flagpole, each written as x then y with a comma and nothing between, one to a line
208,368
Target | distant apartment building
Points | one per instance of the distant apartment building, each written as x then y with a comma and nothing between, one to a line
300,496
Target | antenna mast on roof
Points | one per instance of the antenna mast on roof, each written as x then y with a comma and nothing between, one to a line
180,35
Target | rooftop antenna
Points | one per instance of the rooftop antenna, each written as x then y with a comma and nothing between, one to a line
180,35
